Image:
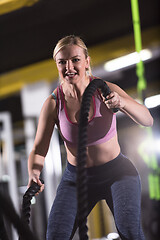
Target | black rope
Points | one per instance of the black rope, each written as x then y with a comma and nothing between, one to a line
82,195
26,203
20,223
7,209
3,232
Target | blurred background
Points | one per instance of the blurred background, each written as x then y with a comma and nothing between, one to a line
29,31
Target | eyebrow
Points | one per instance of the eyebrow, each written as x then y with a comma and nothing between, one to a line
70,58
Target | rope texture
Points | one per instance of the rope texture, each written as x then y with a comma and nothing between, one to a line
81,154
20,223
26,203
7,209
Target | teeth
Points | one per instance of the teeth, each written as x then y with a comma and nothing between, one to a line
70,74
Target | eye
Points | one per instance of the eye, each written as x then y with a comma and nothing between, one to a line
61,62
75,60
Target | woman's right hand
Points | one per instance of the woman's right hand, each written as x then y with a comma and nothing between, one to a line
35,178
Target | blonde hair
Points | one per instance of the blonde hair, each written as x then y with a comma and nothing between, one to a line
71,40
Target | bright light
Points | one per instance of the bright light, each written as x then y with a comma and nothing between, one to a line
152,101
153,146
127,60
112,236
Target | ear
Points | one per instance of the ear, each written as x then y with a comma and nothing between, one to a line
88,62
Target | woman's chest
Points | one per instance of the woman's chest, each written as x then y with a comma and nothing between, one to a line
73,108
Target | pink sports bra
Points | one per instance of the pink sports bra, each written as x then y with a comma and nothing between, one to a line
101,127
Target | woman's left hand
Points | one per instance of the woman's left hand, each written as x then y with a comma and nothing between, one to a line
119,99
114,100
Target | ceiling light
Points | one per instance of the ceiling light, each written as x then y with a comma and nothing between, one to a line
152,101
127,60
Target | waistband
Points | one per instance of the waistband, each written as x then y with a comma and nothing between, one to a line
100,168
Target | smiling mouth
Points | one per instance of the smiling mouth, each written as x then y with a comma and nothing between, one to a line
71,74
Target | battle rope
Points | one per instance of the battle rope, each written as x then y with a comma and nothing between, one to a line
81,153
7,209
26,203
20,223
3,232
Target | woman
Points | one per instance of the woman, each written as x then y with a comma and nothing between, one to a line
111,176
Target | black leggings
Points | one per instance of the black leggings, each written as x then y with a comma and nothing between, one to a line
117,182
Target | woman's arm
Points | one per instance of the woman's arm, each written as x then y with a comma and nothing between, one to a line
45,128
136,111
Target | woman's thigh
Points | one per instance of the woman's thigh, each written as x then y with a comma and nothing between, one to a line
125,204
63,212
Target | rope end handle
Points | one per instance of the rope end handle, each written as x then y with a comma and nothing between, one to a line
105,93
114,110
33,189
35,185
27,197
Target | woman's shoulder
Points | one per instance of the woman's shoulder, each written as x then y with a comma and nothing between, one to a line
55,91
54,94
50,108
49,103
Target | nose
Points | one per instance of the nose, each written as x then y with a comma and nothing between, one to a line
69,65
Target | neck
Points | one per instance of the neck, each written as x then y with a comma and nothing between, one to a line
76,90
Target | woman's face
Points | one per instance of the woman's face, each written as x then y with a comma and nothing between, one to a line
72,63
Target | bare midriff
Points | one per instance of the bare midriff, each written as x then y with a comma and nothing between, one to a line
96,154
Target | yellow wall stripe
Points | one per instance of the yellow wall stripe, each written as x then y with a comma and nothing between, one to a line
7,6
13,81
